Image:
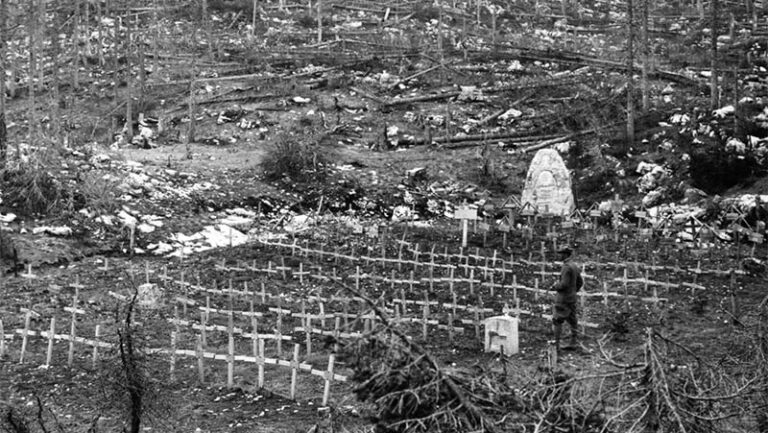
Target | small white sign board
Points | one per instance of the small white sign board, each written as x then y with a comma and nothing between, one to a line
465,213
501,335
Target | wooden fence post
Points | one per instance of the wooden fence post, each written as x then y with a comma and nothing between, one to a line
96,334
231,351
51,334
200,359
328,379
294,370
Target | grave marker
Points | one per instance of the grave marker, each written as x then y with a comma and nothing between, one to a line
548,184
501,335
465,213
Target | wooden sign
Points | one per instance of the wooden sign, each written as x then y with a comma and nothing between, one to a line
504,228
645,233
484,227
641,214
527,209
595,213
576,216
756,238
512,203
567,224
465,213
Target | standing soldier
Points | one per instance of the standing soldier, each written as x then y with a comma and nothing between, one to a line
566,298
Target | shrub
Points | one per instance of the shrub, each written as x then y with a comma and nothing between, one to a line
714,170
30,189
292,160
99,193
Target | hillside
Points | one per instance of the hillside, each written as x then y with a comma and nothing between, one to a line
188,133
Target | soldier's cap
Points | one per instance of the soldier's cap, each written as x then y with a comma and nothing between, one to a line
565,250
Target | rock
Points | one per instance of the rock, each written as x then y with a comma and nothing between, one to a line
145,228
679,119
127,219
724,111
654,197
298,223
160,248
654,175
238,221
735,145
693,195
402,213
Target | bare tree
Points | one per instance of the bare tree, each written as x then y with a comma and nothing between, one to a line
714,102
32,25
3,131
646,56
630,74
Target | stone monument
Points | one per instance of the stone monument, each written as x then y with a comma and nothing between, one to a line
548,184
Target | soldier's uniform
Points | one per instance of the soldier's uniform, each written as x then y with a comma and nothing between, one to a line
566,299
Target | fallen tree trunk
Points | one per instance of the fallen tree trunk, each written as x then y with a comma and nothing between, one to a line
423,98
579,59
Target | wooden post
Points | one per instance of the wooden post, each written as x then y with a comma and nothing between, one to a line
337,333
322,314
200,360
203,325
96,336
231,351
72,328
328,379
472,282
25,334
425,320
2,340
308,332
172,369
260,363
294,371
51,334
279,326
255,335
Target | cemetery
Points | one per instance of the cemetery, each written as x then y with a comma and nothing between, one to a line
348,216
